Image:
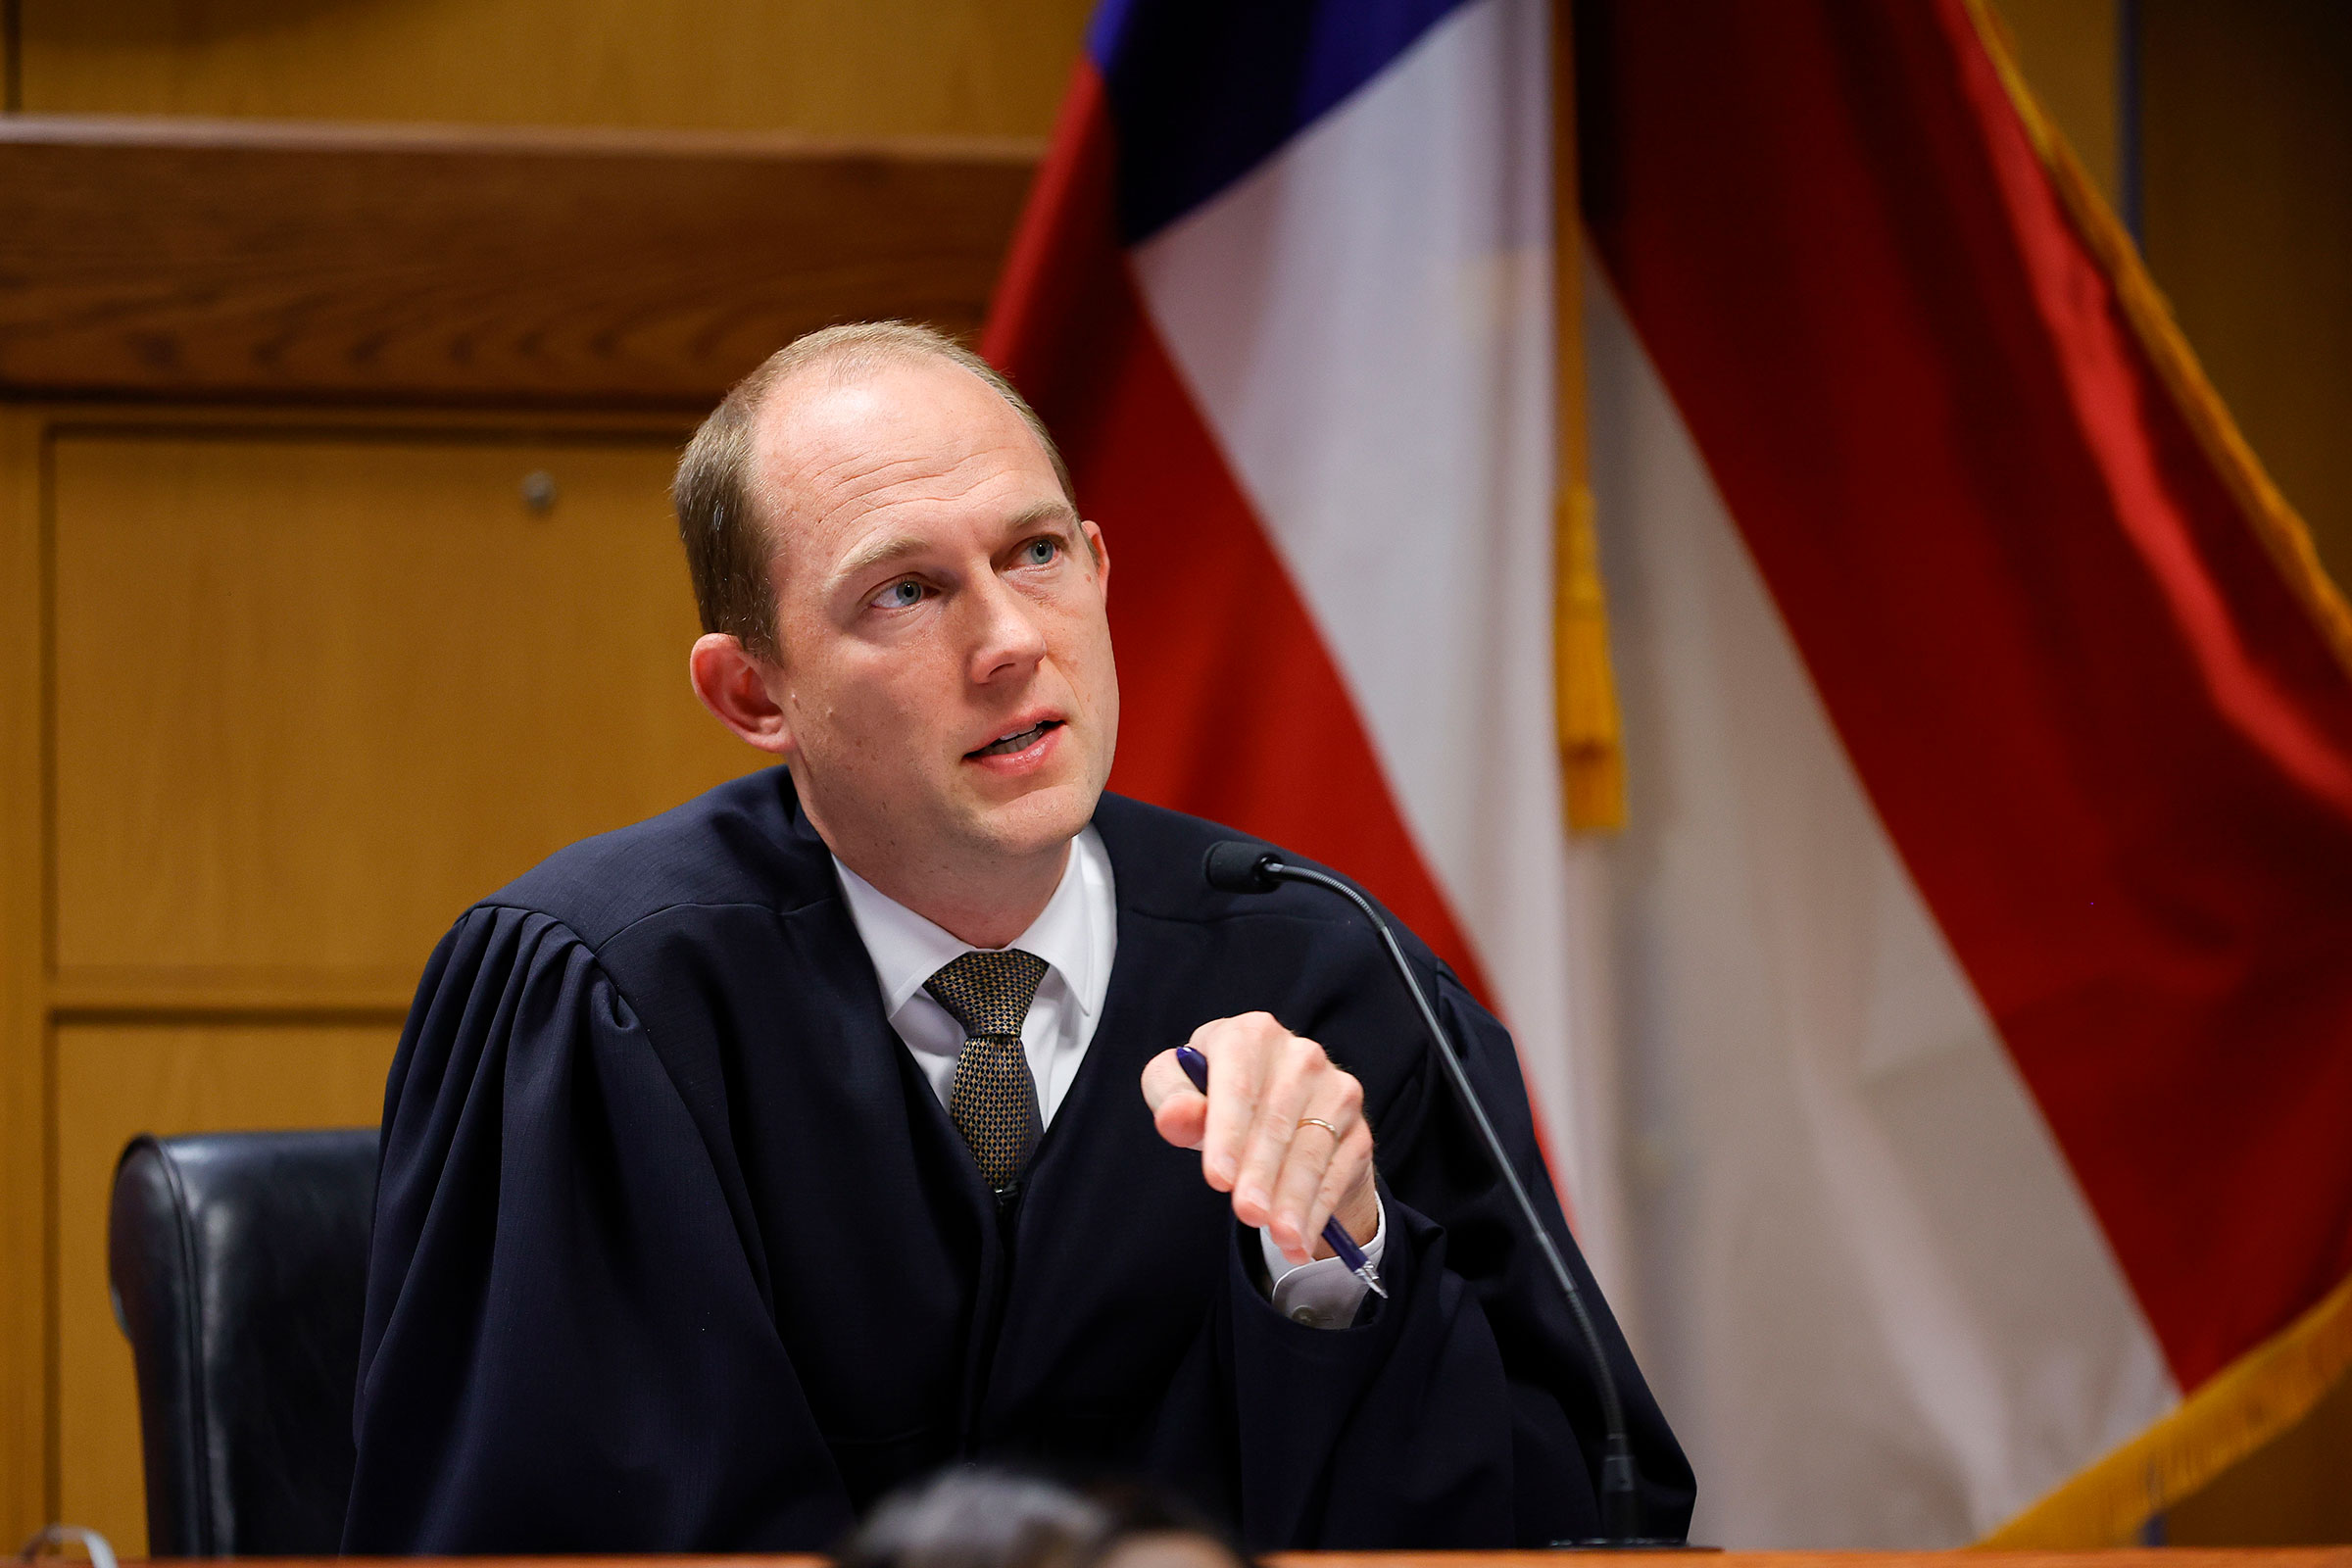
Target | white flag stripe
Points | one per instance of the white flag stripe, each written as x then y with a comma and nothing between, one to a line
1365,322
1878,1309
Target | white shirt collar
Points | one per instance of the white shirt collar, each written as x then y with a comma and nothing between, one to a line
907,950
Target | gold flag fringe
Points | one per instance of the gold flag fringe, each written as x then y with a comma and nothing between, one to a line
2233,1412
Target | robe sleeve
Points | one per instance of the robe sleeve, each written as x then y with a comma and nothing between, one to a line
1462,1412
566,1344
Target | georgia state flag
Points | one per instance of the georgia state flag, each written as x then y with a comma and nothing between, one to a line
1949,1068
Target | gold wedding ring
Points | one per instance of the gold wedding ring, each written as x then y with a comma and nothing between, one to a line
1317,1121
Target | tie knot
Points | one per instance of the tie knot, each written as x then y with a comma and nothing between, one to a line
989,992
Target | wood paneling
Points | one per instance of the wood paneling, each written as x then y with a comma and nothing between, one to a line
254,261
289,671
24,1468
316,688
858,67
114,1083
2070,52
316,694
2249,227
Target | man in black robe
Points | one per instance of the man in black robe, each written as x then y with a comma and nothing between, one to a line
744,1163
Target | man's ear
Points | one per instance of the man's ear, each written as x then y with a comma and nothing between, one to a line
734,683
1094,542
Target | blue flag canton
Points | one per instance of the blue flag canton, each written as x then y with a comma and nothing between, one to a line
1203,91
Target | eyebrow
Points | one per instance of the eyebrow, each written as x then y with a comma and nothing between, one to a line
879,554
882,552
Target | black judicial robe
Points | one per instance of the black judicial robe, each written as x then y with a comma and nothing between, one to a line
675,1250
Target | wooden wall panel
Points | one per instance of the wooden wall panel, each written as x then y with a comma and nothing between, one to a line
2070,51
24,1468
309,690
113,1083
855,67
318,693
179,260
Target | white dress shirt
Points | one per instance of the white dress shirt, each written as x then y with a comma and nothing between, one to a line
1077,935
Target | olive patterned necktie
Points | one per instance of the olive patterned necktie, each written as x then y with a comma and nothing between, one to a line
994,1102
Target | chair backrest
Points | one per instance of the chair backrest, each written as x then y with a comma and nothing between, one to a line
239,1262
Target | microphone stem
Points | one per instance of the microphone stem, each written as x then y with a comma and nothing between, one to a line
1620,1500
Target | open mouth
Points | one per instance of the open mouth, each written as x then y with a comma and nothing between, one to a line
1018,742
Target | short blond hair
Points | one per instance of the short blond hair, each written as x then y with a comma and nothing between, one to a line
728,544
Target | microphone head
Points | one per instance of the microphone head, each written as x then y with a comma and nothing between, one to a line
1238,866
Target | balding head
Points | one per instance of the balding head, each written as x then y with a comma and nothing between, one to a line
729,516
909,611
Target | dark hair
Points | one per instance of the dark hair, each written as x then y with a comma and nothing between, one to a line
728,541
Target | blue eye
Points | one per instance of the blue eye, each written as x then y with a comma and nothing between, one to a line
901,595
1040,552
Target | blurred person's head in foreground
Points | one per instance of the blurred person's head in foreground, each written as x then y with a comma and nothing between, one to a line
975,1518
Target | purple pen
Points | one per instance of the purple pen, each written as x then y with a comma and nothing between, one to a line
1335,1234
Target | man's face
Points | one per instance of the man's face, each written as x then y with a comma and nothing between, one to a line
945,672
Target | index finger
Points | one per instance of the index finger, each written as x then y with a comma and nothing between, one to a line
1164,1080
1235,1048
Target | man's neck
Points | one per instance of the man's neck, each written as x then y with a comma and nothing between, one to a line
988,907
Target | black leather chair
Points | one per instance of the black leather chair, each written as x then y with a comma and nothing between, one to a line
238,1263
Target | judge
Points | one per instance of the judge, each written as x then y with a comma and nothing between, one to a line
743,1164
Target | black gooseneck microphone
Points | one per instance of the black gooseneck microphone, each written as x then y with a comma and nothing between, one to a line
1236,867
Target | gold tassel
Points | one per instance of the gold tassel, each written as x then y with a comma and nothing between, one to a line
1584,687
1591,756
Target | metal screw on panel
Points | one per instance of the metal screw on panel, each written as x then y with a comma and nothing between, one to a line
539,491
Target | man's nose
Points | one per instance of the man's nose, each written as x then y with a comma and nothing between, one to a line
1009,637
